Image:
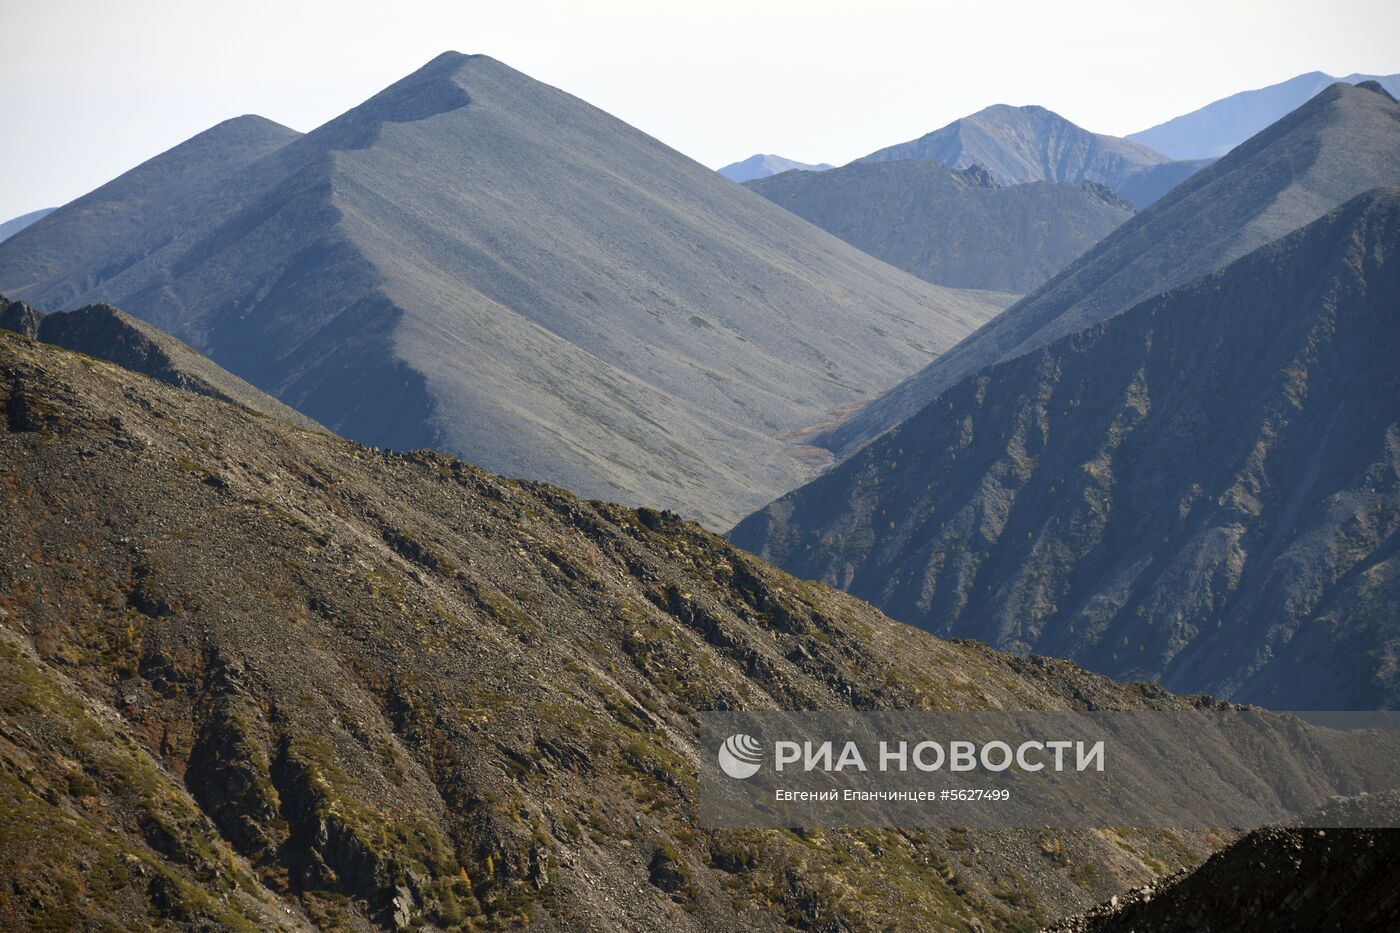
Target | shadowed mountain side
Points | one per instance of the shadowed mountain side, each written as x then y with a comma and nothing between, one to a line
1204,490
284,675
1272,880
480,263
1020,144
955,228
1339,144
1148,185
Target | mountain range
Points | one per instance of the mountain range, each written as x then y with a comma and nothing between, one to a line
958,228
1218,127
1202,491
279,680
479,263
1344,141
255,675
764,164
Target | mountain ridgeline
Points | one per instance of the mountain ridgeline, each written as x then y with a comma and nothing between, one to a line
1344,141
10,227
1204,490
477,262
763,165
1025,144
954,227
1218,127
1021,144
254,676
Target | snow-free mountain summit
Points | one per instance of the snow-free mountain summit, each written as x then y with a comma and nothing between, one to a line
480,263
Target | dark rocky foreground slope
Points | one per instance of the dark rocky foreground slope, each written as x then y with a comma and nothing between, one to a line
479,263
954,227
113,335
1344,141
1203,490
1276,880
252,675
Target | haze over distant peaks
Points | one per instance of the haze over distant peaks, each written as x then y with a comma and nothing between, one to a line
1218,127
955,227
762,165
1344,141
1020,144
480,263
10,227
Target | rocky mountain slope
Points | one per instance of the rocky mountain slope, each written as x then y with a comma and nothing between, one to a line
1344,141
255,676
10,227
955,228
477,262
1204,490
1021,144
763,165
107,333
1273,880
1220,126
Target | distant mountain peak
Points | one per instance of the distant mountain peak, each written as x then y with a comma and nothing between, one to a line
431,90
764,164
1017,144
475,261
1215,129
953,227
1341,142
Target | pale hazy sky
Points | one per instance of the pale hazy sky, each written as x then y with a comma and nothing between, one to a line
93,87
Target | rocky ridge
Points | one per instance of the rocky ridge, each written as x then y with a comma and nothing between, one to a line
257,672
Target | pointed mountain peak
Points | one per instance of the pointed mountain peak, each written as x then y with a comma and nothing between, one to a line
427,92
1339,103
1018,144
249,122
1341,142
246,131
764,164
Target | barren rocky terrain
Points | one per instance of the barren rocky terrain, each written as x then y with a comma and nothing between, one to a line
253,671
